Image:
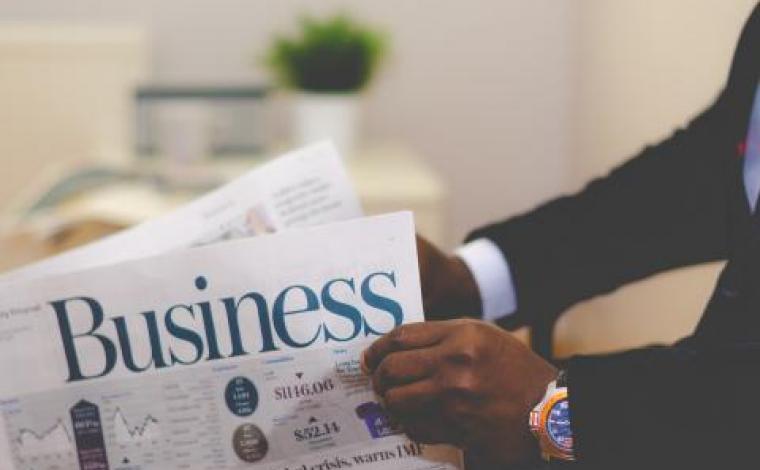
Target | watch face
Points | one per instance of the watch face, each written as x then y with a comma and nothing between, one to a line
558,425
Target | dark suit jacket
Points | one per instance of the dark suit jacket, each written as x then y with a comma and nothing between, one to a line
678,203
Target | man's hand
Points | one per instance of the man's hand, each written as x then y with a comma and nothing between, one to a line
448,288
462,382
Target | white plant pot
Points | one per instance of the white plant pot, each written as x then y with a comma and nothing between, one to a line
333,116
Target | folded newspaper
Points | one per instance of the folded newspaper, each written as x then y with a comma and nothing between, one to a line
230,355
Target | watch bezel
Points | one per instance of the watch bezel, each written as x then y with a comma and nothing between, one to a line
538,421
547,426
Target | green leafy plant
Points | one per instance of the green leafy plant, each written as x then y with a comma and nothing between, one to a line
331,55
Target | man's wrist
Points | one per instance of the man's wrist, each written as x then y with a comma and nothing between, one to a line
466,295
489,268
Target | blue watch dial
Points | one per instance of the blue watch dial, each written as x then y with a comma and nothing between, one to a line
558,425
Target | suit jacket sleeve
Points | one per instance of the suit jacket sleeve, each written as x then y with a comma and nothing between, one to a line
666,407
665,208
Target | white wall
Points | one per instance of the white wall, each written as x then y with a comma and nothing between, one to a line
481,88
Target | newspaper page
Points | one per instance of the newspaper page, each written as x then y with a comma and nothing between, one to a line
302,188
241,354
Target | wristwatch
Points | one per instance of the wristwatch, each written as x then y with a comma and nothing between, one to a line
550,422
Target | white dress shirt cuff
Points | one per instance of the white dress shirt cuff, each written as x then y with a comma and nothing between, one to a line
490,269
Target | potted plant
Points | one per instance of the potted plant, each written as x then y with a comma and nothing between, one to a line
328,63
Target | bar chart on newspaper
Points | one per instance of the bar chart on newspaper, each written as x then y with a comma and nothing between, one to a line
277,412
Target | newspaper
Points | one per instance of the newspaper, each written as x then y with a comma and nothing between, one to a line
239,354
302,188
223,356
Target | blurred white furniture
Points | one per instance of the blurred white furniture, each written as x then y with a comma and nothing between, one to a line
65,96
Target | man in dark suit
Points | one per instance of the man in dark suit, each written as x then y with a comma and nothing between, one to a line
690,199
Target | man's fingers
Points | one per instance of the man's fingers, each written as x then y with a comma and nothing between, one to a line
417,407
402,338
413,399
430,428
402,368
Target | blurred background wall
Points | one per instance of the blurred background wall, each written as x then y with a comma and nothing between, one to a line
511,101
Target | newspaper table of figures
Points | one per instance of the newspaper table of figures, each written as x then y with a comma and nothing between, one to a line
231,355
